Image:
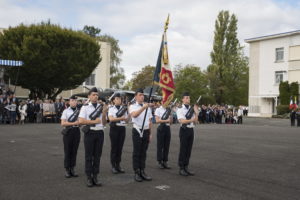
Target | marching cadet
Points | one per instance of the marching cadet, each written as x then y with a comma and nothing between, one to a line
163,136
140,139
93,116
186,134
118,117
71,138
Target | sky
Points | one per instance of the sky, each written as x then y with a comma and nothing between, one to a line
138,24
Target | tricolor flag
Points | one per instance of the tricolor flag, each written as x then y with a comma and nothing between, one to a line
163,74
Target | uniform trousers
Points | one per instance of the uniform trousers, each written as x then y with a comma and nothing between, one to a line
186,136
117,137
163,142
140,146
93,143
71,142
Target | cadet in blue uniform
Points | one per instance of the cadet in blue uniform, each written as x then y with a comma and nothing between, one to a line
186,135
140,139
163,137
117,133
71,138
93,137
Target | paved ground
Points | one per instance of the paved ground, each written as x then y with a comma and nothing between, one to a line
256,160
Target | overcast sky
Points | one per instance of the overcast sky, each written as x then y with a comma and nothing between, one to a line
138,24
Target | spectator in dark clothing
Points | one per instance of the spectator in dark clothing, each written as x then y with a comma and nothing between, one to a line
293,117
30,111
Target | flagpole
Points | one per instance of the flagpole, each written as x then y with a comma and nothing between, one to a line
150,93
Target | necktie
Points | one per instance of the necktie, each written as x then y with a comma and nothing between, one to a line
94,104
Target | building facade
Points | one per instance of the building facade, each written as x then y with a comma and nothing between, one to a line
272,59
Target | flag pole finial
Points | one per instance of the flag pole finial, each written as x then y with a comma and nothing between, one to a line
167,23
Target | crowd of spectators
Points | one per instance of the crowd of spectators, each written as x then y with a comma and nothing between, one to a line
16,110
214,114
20,111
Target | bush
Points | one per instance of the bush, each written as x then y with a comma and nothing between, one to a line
284,93
284,116
282,109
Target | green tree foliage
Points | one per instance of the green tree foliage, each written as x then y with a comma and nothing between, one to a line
284,93
128,85
142,78
283,109
117,76
294,90
190,78
228,73
91,31
55,58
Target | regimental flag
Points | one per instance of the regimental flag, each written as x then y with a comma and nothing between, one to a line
163,74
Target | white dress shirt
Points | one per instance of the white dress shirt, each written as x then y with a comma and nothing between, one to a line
159,112
181,112
67,113
112,111
85,112
240,112
138,121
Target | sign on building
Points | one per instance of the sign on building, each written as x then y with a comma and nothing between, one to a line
14,63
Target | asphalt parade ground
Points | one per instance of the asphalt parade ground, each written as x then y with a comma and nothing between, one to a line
257,160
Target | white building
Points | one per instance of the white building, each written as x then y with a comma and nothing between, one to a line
273,58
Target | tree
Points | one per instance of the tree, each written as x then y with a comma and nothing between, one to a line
117,76
294,90
190,78
55,58
91,31
228,73
127,85
143,78
284,93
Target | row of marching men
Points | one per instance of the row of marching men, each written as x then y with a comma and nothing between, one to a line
92,118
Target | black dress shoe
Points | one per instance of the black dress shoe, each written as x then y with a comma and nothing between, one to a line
161,165
114,170
182,172
96,181
68,174
73,173
89,181
166,166
145,176
119,169
190,173
137,176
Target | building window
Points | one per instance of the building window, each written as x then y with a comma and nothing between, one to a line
279,77
90,80
279,54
